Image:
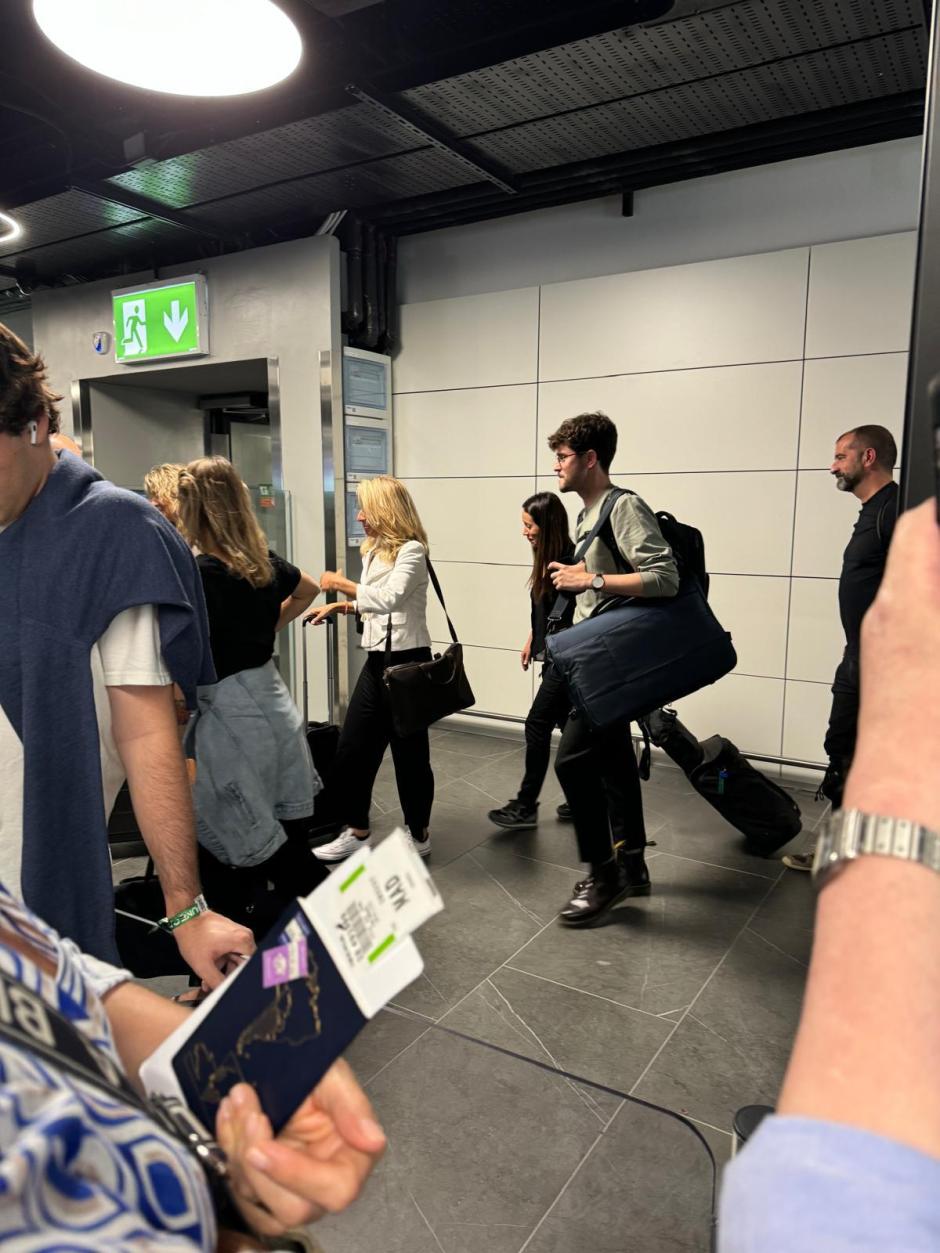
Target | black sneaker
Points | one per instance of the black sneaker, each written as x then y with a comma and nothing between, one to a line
832,786
515,816
564,812
601,891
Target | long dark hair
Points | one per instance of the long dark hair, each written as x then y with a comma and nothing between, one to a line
552,542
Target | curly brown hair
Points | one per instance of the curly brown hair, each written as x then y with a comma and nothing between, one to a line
585,432
24,396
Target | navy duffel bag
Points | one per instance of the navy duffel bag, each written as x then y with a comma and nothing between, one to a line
633,656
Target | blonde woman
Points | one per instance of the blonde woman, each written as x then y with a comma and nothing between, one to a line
161,487
254,776
393,590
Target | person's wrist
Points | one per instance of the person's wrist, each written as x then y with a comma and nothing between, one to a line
888,780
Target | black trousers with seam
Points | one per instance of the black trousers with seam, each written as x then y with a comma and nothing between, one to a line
550,709
599,775
367,732
843,716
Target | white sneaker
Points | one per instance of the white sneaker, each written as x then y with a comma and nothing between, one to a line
423,846
345,844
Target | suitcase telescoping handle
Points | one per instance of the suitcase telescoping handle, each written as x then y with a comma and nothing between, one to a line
329,622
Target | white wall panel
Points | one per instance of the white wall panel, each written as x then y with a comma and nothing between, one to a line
714,313
746,519
478,431
745,709
754,610
473,519
470,341
730,418
489,605
499,683
840,393
816,636
860,295
805,720
571,500
824,521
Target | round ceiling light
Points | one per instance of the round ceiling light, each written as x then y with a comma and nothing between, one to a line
182,47
10,229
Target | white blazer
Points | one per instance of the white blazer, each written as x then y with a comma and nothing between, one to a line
399,590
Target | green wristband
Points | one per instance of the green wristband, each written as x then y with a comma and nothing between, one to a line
198,906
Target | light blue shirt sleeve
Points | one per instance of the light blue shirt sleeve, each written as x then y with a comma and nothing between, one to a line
801,1185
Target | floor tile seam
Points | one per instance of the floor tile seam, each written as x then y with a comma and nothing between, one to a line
399,1054
424,1219
776,947
767,878
540,862
525,910
477,788
564,1188
570,987
718,965
476,987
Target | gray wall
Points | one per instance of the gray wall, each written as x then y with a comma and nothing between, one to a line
135,428
20,322
282,302
814,200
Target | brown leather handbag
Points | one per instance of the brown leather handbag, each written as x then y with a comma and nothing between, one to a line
422,692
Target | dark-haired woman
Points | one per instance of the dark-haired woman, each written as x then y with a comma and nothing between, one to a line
545,526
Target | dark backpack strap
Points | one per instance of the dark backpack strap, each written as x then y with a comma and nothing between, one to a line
564,599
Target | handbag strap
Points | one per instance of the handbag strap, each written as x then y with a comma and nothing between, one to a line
440,596
564,599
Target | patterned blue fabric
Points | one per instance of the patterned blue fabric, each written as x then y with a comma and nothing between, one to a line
78,1170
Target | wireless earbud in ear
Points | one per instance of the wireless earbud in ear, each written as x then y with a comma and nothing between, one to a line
33,429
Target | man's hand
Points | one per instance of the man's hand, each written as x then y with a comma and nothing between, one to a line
570,578
209,943
317,1165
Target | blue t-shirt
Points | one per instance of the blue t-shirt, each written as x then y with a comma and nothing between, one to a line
805,1185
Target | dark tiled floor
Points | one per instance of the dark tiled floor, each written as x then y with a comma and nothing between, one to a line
688,999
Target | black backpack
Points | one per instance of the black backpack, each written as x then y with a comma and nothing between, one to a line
686,542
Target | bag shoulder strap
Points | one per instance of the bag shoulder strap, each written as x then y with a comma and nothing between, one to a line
563,599
440,596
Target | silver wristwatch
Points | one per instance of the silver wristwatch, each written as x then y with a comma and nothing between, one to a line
598,582
848,833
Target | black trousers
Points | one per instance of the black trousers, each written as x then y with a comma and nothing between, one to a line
549,710
843,715
367,732
601,781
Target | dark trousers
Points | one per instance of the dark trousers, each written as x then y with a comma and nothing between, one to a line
549,710
367,732
843,716
601,781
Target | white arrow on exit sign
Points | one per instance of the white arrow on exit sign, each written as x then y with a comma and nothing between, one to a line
176,321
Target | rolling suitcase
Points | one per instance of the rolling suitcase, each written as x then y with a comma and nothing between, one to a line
766,815
322,739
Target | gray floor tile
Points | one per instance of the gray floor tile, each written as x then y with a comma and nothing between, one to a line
469,1136
538,887
382,1040
652,953
731,1049
455,830
786,917
481,926
694,829
502,777
479,746
551,841
647,1184
590,1037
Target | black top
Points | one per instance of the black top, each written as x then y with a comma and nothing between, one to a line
542,608
863,563
242,618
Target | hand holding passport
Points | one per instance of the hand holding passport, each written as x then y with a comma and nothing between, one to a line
279,1023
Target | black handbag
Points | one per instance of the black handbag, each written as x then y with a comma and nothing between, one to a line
422,692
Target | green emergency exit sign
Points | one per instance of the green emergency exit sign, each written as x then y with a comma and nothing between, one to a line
169,319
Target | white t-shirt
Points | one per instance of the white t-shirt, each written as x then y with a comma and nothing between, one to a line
127,655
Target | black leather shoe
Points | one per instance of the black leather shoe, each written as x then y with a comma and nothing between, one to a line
601,891
564,813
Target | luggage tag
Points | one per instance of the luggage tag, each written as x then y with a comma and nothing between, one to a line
332,961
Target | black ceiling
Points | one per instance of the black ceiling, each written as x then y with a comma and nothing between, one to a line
418,114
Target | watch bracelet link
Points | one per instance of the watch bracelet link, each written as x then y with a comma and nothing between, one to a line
198,907
850,834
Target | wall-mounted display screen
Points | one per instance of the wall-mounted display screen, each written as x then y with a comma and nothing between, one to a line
367,388
367,451
354,532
